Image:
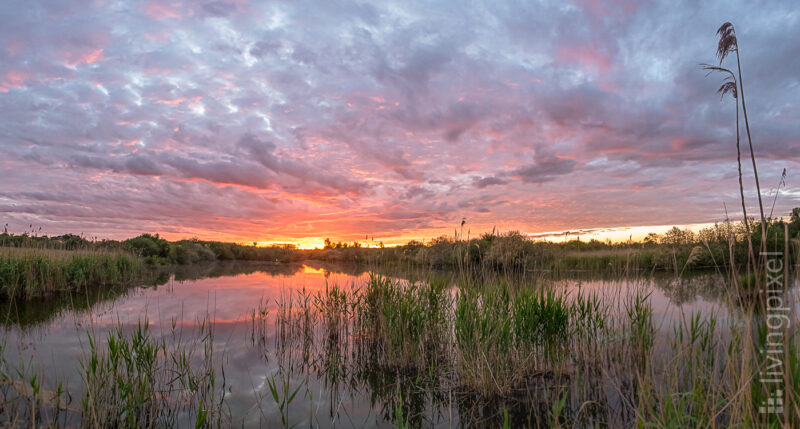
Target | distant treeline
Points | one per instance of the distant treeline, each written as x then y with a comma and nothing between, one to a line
156,250
677,249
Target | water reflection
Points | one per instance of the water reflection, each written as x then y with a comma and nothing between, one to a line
340,382
28,314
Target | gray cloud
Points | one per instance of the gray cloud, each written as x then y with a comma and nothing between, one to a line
390,114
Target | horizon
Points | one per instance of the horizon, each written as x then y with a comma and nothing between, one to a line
292,123
614,235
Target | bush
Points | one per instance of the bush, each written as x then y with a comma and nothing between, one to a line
148,246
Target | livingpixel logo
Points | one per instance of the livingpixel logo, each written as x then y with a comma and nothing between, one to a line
777,319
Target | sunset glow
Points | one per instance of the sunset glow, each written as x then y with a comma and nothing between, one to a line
290,123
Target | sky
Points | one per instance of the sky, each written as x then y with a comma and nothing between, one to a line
388,121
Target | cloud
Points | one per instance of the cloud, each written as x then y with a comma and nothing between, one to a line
262,152
544,169
223,117
130,164
482,182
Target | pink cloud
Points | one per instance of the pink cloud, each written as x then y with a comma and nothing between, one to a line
608,86
585,56
171,102
158,10
679,144
11,79
72,58
602,9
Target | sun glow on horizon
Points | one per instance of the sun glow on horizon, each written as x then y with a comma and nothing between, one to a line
306,243
612,234
349,122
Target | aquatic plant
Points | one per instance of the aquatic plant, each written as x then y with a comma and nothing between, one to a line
26,273
482,353
139,381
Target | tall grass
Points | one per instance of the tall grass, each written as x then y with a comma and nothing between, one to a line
404,321
130,379
576,359
28,273
480,353
141,381
725,244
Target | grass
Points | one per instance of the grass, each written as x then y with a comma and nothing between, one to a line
26,273
404,321
723,245
497,352
130,379
141,381
576,359
506,338
480,353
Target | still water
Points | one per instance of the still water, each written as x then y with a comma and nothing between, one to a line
50,338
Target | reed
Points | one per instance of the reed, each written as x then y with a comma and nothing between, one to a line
26,273
138,381
404,321
488,352
129,379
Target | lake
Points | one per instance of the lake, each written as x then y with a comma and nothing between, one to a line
238,302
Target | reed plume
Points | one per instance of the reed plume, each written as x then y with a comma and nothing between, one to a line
729,43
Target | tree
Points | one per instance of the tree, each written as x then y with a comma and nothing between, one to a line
651,238
677,236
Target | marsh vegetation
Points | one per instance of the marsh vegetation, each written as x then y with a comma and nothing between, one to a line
305,346
676,331
29,272
499,330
